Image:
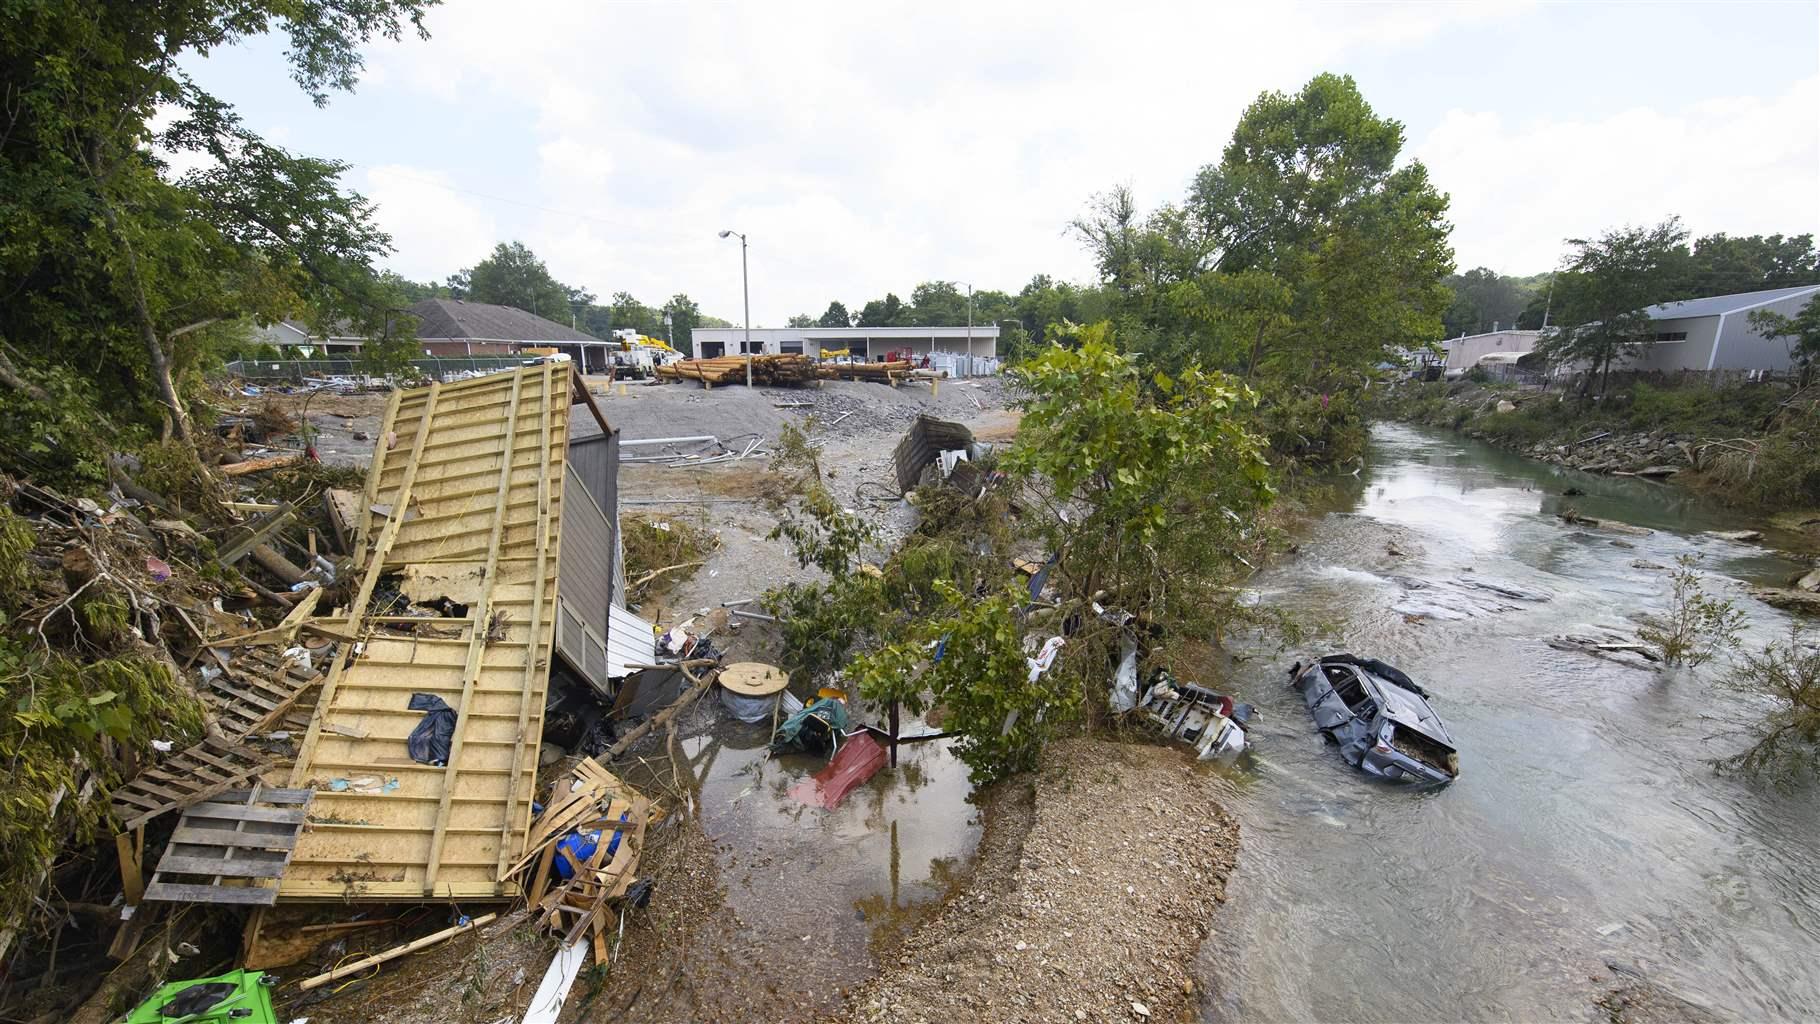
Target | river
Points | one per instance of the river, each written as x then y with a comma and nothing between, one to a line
1588,824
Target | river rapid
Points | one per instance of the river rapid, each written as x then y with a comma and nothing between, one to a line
1588,825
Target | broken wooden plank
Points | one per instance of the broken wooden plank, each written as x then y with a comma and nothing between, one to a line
347,970
263,464
257,532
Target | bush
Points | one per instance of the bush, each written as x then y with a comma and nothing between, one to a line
1787,672
1697,626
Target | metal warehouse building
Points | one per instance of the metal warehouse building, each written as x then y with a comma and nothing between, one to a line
867,344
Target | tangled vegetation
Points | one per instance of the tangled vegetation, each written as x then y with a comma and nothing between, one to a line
661,553
1697,626
1142,490
1786,672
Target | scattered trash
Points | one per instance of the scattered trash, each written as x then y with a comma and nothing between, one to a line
858,760
1380,718
1045,657
749,690
429,741
1125,679
355,967
241,996
162,746
1209,722
816,729
158,568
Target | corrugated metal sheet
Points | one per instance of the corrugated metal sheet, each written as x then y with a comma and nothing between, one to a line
630,641
477,479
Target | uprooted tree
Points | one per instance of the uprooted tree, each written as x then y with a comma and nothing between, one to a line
119,274
1145,489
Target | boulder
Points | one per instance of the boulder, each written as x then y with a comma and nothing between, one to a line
1740,536
1810,582
1788,599
1506,406
1657,471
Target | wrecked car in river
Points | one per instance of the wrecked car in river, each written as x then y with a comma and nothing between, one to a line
1379,717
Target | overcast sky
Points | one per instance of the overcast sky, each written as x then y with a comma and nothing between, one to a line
866,147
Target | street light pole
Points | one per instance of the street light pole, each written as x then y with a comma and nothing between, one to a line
745,289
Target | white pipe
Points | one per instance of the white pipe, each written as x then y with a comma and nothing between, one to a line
667,440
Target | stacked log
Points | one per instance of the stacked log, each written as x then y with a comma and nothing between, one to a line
883,373
790,369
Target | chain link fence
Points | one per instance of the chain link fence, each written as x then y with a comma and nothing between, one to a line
296,371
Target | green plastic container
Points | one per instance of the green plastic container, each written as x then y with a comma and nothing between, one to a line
237,997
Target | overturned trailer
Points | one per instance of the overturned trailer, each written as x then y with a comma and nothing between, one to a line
467,504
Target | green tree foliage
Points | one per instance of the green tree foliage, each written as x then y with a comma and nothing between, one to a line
1722,264
836,316
116,270
514,276
801,320
889,311
685,316
1482,299
1601,292
1697,625
1162,479
1309,255
1786,673
1800,332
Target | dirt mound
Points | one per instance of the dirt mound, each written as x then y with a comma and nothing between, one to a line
685,409
1092,917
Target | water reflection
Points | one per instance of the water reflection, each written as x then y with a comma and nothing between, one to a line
1587,823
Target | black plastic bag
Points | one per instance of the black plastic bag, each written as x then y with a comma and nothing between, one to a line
429,742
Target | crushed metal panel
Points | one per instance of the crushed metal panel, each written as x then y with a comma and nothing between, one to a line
422,830
630,641
927,439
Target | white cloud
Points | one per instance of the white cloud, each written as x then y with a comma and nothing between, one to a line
430,225
1741,165
869,147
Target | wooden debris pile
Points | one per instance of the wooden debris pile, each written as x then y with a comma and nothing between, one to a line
790,369
591,803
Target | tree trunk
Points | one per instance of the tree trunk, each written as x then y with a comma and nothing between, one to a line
1256,344
148,332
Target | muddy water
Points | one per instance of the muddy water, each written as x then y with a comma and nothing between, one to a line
1587,825
816,895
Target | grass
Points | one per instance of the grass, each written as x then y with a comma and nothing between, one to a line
1779,469
662,552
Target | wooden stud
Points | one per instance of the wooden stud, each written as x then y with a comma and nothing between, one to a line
386,426
132,872
357,612
477,641
536,634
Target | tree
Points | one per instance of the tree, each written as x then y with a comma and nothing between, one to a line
836,316
937,304
1802,333
684,316
1483,299
1722,265
1602,290
887,312
1786,673
801,320
513,276
106,261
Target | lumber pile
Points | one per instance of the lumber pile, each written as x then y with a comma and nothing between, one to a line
790,369
884,373
591,801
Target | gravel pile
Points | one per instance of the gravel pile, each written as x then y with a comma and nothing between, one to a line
1093,917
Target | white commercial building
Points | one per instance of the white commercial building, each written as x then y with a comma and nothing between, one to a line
1465,352
1715,333
979,344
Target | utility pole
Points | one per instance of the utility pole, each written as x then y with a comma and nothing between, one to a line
745,289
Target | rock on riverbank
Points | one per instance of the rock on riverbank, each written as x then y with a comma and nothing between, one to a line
1092,916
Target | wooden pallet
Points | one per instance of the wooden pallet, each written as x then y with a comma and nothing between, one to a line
186,778
240,840
257,690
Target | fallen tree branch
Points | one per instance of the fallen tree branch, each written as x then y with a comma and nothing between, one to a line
654,573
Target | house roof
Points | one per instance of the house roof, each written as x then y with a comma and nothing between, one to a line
1719,305
456,320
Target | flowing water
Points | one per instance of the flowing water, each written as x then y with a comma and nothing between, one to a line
1587,825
